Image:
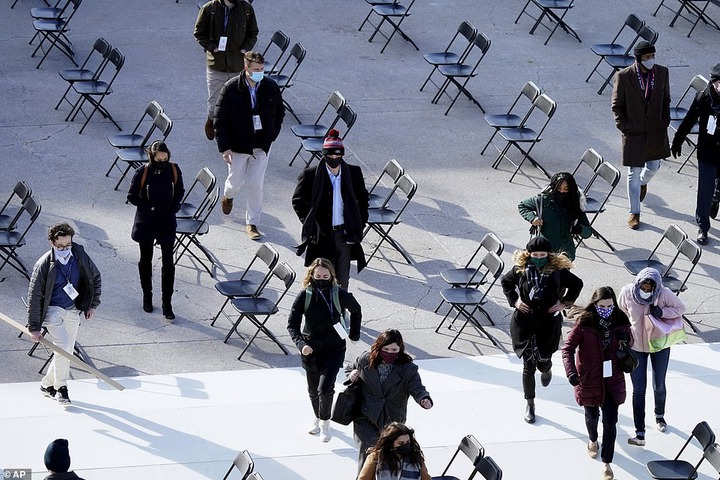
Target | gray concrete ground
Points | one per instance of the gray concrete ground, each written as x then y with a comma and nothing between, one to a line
459,198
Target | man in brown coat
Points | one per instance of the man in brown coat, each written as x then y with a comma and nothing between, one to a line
641,107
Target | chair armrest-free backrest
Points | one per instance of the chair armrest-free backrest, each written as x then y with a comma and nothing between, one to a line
492,243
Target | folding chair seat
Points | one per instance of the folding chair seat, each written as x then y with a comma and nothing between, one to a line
472,449
244,465
382,220
313,146
673,234
55,12
9,218
88,91
246,287
136,138
488,469
90,69
55,30
596,204
467,300
372,3
134,157
459,74
280,42
258,310
188,231
11,240
634,23
519,137
697,84
677,469
692,252
547,10
393,170
285,80
318,129
394,14
509,119
207,180
467,31
618,62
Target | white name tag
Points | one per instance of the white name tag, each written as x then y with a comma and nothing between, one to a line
257,123
340,330
607,369
71,292
222,44
712,123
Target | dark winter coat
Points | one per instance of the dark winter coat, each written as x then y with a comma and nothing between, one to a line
42,282
705,104
643,123
63,476
314,209
585,338
157,203
242,33
234,128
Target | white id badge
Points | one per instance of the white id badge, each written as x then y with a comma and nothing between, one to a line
71,292
340,330
712,123
257,123
222,44
607,369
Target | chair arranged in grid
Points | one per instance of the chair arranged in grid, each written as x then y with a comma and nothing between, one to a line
697,84
55,30
206,179
90,69
51,13
394,14
246,287
11,240
8,217
318,129
677,114
498,121
137,138
472,449
258,310
393,170
372,3
678,468
466,31
243,464
548,10
95,91
692,252
279,43
618,62
188,232
633,23
696,9
284,79
459,74
134,157
673,234
524,138
488,469
382,220
467,300
313,146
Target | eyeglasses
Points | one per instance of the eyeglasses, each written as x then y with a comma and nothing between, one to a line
63,248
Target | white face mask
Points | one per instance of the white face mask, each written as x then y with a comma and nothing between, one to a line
649,64
645,295
716,86
63,256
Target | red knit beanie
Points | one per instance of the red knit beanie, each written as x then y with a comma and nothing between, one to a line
333,144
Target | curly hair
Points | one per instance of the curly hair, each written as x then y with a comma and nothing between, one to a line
319,262
385,450
386,338
556,261
62,229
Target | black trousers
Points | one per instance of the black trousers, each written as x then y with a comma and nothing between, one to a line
528,374
321,370
341,259
168,269
609,421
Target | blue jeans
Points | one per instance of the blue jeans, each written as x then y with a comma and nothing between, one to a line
637,176
659,363
707,173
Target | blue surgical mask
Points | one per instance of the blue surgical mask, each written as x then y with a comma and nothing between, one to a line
63,256
645,295
539,262
605,312
257,76
649,64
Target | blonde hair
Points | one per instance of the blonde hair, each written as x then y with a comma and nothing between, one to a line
556,261
319,262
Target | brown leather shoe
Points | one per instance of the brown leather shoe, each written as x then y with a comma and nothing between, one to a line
209,129
643,192
252,232
226,205
634,221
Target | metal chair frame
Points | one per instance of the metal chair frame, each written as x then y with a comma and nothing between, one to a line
467,31
509,119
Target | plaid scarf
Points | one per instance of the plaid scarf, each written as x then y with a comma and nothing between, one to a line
604,331
536,280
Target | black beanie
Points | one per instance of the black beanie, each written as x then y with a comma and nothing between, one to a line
643,47
57,456
715,73
539,244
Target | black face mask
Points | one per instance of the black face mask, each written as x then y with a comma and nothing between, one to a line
333,162
160,166
404,450
321,284
562,196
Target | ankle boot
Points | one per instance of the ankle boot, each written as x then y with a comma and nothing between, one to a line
530,411
168,284
147,301
145,272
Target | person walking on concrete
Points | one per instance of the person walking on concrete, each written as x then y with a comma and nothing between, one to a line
641,107
248,118
226,29
331,201
65,283
156,190
57,461
539,286
704,111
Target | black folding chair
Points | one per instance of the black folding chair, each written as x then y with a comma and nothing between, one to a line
382,220
498,121
280,42
258,310
520,136
488,469
673,234
467,31
313,146
95,91
16,1
618,62
134,157
372,3
677,469
459,74
243,464
677,114
472,449
188,232
9,219
697,84
246,287
547,10
318,129
11,240
696,11
55,31
394,14
136,138
595,205
393,170
51,13
284,79
206,179
692,252
634,23
91,68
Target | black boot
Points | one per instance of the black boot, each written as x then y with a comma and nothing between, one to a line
168,284
530,411
146,285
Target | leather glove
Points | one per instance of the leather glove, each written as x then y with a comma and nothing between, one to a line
656,311
576,229
676,150
573,379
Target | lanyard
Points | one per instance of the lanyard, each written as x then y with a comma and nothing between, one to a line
227,18
646,87
329,304
66,273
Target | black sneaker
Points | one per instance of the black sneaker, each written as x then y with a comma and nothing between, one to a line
702,238
62,396
661,424
48,391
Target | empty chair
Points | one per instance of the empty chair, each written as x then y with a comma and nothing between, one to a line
525,138
284,78
244,465
692,252
472,449
51,13
188,232
207,180
136,138
632,22
11,240
466,31
320,128
8,218
548,10
595,203
618,62
697,84
488,469
136,156
394,14
313,145
672,234
696,11
677,469
279,43
393,170
90,69
510,119
55,30
459,74
372,3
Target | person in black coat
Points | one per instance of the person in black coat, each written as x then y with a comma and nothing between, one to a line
156,190
321,337
331,201
539,286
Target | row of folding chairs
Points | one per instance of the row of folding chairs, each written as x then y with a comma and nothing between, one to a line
483,466
243,468
51,25
17,216
392,13
284,67
696,11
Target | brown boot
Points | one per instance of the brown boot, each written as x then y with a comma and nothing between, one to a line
226,205
634,221
209,129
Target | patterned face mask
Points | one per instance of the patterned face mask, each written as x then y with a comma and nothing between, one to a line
605,312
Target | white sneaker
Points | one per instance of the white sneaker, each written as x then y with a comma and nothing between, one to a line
326,434
315,427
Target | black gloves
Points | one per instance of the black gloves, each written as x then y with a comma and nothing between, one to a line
576,229
573,379
676,150
656,311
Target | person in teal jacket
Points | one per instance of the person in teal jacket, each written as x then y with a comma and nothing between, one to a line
558,214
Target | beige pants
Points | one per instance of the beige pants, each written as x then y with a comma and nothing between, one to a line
62,326
249,171
215,82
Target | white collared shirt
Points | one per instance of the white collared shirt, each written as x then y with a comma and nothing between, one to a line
337,206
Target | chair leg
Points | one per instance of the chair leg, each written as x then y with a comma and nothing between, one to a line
482,152
692,325
594,70
295,156
428,77
227,299
606,82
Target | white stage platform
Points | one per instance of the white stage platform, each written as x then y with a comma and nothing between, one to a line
191,426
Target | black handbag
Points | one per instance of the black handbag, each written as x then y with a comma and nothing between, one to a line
627,358
347,404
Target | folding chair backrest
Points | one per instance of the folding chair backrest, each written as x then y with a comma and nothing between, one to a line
163,124
674,235
254,476
472,450
648,34
75,4
22,190
488,469
482,43
698,83
286,275
281,42
407,185
336,101
392,169
531,92
468,31
152,112
491,265
547,106
692,252
297,52
103,48
244,464
269,256
348,117
117,59
492,243
207,180
634,22
704,434
32,209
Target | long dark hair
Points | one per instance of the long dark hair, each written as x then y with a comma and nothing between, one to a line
573,194
589,314
385,451
386,338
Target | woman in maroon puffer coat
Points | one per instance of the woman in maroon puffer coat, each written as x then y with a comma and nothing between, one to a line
594,371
